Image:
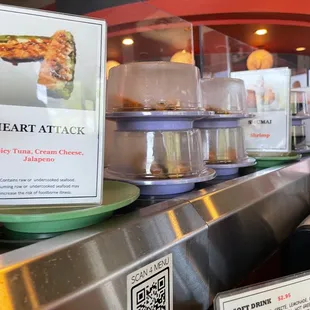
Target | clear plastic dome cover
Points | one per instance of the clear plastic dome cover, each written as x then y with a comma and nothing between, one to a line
156,154
298,134
299,105
153,86
223,95
223,145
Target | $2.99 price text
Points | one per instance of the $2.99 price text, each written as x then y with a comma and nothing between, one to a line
284,296
264,303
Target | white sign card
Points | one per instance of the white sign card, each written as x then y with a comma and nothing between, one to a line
52,107
268,98
151,287
290,293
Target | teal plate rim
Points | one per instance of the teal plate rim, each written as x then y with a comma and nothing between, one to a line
279,158
77,213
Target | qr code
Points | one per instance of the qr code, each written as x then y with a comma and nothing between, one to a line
153,293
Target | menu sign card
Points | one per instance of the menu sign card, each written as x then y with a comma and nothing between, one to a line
268,98
290,293
52,107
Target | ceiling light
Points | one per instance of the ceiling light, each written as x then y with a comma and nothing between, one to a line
300,49
128,41
261,32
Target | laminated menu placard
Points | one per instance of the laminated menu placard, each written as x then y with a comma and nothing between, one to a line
52,107
268,98
290,293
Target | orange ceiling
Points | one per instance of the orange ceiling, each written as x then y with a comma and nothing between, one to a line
199,7
218,11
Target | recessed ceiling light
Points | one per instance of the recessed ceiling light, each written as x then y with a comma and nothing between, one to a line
261,32
300,49
128,41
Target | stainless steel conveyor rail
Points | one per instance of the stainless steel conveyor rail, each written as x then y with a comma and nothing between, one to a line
216,237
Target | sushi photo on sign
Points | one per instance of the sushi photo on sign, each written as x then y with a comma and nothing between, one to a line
57,53
51,66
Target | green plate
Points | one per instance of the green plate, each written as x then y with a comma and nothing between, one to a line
266,162
115,196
